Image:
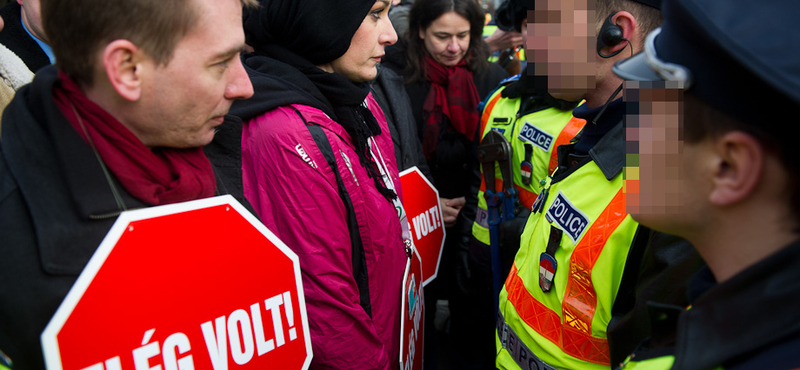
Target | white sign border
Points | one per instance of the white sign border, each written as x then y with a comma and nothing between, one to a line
49,341
444,232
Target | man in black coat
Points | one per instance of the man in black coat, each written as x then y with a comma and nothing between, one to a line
112,126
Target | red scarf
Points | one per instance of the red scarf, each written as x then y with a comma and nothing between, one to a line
160,176
452,94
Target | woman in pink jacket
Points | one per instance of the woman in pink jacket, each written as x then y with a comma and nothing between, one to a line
319,169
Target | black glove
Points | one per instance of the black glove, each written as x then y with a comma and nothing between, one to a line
510,234
463,272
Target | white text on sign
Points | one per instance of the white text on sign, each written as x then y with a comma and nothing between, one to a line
241,335
427,222
412,337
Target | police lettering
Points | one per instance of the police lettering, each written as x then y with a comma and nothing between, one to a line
536,136
569,218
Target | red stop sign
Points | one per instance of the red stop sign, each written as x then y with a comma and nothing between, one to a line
421,201
412,322
195,285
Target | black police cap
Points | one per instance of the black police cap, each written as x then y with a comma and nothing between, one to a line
740,55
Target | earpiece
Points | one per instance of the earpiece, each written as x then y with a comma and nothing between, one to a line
610,35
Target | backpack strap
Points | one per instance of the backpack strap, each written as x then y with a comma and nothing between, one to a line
358,259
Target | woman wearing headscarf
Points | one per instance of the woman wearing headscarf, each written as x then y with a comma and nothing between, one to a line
447,75
310,68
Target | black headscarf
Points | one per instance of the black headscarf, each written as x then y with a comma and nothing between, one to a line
305,33
317,30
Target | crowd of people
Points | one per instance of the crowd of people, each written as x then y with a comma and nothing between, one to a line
623,200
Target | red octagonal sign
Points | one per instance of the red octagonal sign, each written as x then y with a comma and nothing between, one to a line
421,201
190,286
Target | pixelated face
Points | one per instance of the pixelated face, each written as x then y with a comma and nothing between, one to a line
655,156
561,39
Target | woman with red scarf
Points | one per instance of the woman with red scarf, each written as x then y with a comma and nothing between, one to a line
447,76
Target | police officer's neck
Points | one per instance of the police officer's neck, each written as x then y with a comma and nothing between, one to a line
738,236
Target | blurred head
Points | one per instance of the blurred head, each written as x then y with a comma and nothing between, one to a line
738,150
562,44
167,70
511,15
32,18
448,31
654,163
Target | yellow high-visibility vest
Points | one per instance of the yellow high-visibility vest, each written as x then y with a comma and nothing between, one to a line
565,327
542,130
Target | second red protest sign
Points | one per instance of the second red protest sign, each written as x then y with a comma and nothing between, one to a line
421,202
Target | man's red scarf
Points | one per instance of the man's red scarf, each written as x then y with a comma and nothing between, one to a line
452,95
158,176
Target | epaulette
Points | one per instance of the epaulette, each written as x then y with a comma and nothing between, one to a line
510,80
500,85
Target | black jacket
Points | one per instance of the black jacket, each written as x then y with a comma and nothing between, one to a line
55,208
454,165
388,91
14,37
750,321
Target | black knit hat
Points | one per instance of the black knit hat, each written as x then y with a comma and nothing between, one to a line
510,14
318,30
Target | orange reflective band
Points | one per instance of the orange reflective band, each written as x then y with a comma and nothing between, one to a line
574,336
547,323
526,197
487,112
580,300
570,130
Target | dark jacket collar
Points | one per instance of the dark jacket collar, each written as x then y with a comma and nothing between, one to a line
754,309
59,176
608,154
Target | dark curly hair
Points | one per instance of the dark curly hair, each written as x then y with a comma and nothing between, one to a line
423,13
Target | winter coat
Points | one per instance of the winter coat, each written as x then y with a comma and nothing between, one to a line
388,91
294,191
55,209
56,206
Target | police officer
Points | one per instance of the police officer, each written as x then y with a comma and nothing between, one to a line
734,63
580,252
534,123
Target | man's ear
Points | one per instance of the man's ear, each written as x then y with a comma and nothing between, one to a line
122,65
739,168
627,23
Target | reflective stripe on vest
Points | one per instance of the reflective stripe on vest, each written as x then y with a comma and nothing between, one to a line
522,355
566,327
560,125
